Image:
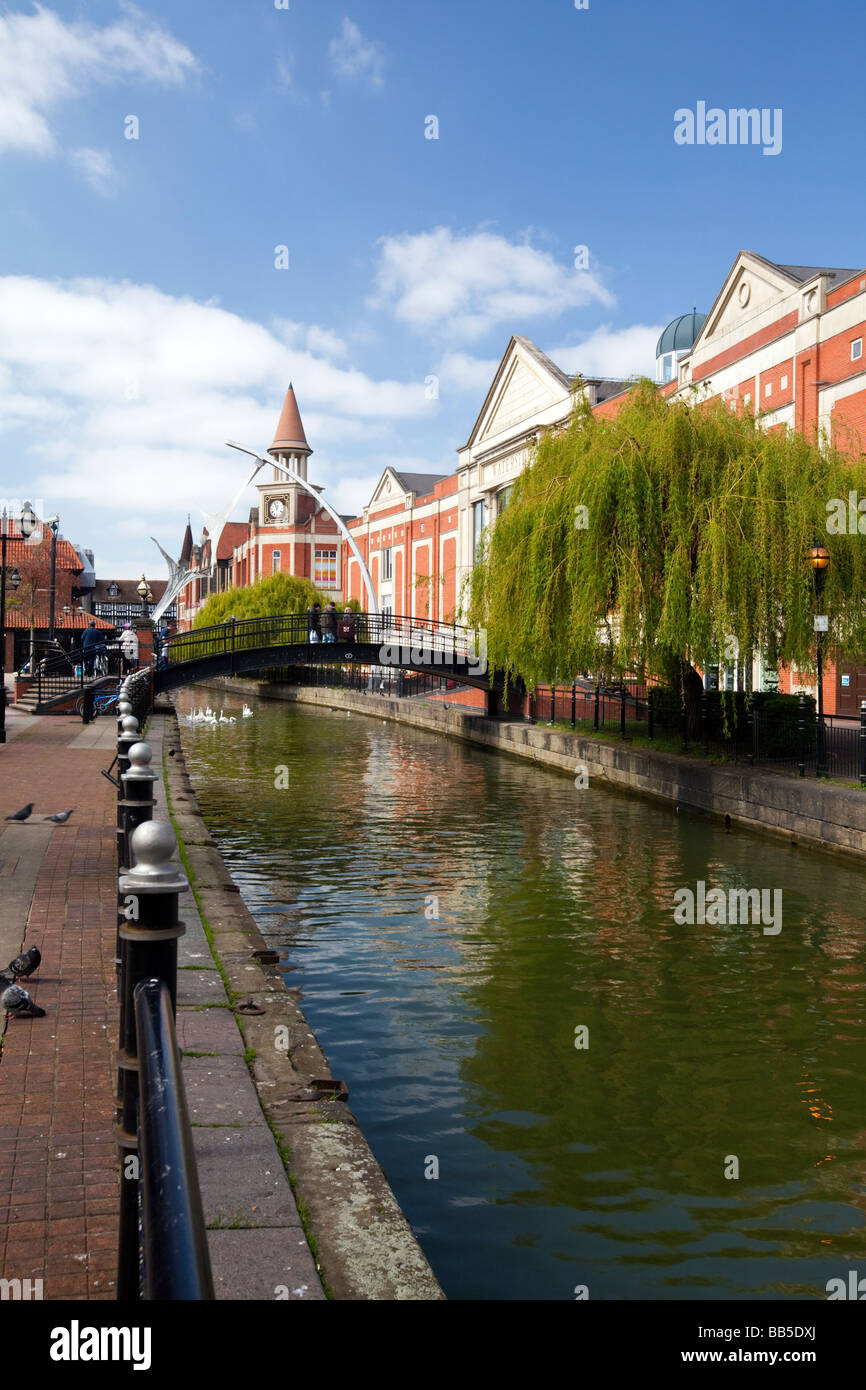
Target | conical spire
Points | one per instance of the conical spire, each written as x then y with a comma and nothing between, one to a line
290,431
186,548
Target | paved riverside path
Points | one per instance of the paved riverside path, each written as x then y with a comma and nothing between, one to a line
58,1162
59,1183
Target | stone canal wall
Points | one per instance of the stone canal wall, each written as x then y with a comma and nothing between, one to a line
363,1243
803,810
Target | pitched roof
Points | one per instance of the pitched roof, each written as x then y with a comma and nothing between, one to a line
233,533
290,430
19,552
808,272
19,616
543,360
127,590
419,483
186,548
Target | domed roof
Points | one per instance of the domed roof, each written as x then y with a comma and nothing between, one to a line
680,334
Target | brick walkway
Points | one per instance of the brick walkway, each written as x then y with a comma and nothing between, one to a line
58,1163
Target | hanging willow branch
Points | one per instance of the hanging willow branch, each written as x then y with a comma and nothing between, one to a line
699,520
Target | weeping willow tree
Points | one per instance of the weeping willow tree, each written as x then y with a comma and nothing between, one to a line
666,540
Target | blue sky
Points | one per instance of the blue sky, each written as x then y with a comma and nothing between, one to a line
143,319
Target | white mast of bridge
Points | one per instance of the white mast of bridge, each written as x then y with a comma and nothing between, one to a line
294,476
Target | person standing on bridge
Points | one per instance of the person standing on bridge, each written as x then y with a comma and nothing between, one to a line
314,617
329,623
92,642
129,648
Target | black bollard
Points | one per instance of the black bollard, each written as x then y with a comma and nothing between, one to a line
801,736
705,739
751,732
650,715
149,935
573,703
863,743
596,708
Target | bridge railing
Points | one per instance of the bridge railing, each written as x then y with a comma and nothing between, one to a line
402,641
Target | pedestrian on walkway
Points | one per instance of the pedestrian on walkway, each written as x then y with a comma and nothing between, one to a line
129,648
92,643
314,617
329,623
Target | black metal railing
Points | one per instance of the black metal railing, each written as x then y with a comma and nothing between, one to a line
789,739
162,1246
379,681
402,641
174,1239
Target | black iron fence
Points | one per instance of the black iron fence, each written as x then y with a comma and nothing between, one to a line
378,681
162,1249
762,730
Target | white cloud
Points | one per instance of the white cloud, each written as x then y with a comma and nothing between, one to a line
467,373
44,62
354,56
97,169
613,352
312,337
125,396
462,286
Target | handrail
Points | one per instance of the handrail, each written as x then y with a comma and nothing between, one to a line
174,1237
393,634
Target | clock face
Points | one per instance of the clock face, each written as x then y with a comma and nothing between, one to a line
276,508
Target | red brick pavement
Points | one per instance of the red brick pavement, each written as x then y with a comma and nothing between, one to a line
58,1164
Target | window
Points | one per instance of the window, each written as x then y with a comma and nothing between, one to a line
747,398
275,561
386,563
325,569
783,383
113,590
502,499
479,521
768,388
856,349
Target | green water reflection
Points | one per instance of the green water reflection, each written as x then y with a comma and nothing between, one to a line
602,1166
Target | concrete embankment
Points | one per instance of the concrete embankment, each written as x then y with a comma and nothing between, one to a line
803,810
362,1242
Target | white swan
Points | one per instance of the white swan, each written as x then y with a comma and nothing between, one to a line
247,712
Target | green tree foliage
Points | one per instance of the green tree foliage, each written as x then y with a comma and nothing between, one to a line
697,525
280,593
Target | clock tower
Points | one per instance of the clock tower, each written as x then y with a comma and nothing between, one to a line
279,498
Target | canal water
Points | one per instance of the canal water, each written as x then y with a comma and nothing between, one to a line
454,918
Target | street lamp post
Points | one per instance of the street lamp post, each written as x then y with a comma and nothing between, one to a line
53,523
27,523
819,559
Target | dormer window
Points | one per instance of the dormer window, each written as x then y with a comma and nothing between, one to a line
113,590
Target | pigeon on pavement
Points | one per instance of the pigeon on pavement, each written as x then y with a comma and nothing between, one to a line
23,813
60,817
17,1002
26,963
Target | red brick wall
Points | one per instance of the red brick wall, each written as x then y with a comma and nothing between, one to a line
747,345
848,422
449,576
